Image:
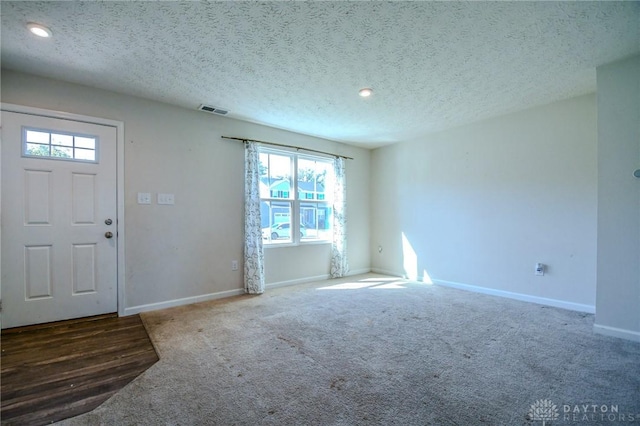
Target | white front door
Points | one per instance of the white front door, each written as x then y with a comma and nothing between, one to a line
59,250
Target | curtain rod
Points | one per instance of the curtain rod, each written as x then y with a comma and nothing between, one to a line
288,146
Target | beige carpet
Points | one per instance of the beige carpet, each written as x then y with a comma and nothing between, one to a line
376,350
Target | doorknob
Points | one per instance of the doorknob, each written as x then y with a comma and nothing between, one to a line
108,234
637,173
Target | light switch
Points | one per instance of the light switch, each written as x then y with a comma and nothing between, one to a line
144,198
166,199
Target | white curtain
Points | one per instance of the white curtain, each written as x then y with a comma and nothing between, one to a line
339,265
253,253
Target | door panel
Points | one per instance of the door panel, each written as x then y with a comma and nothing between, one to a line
57,262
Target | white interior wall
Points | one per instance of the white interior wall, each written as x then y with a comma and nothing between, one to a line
182,253
618,277
479,205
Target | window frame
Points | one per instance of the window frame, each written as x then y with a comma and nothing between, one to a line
73,147
294,199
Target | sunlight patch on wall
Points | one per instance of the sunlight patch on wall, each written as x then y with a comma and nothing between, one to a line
410,263
409,259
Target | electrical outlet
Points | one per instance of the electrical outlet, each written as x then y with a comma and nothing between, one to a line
234,265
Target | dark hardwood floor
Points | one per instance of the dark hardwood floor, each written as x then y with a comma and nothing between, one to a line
55,371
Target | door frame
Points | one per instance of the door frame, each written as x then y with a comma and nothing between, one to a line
120,228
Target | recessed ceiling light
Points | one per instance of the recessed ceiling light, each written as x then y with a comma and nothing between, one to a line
39,30
366,92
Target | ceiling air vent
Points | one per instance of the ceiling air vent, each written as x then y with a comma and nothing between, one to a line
213,110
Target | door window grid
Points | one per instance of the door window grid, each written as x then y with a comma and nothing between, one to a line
50,144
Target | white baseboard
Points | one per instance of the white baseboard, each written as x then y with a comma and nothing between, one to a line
179,302
616,332
358,272
316,278
297,281
519,296
227,293
386,272
502,293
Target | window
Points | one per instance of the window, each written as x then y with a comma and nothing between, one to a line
60,146
295,195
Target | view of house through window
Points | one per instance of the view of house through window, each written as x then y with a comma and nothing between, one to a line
295,193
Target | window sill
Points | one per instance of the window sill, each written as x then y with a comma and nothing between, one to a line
299,244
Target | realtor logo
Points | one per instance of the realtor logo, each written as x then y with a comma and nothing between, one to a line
544,410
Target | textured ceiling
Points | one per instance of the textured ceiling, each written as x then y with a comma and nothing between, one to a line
299,65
